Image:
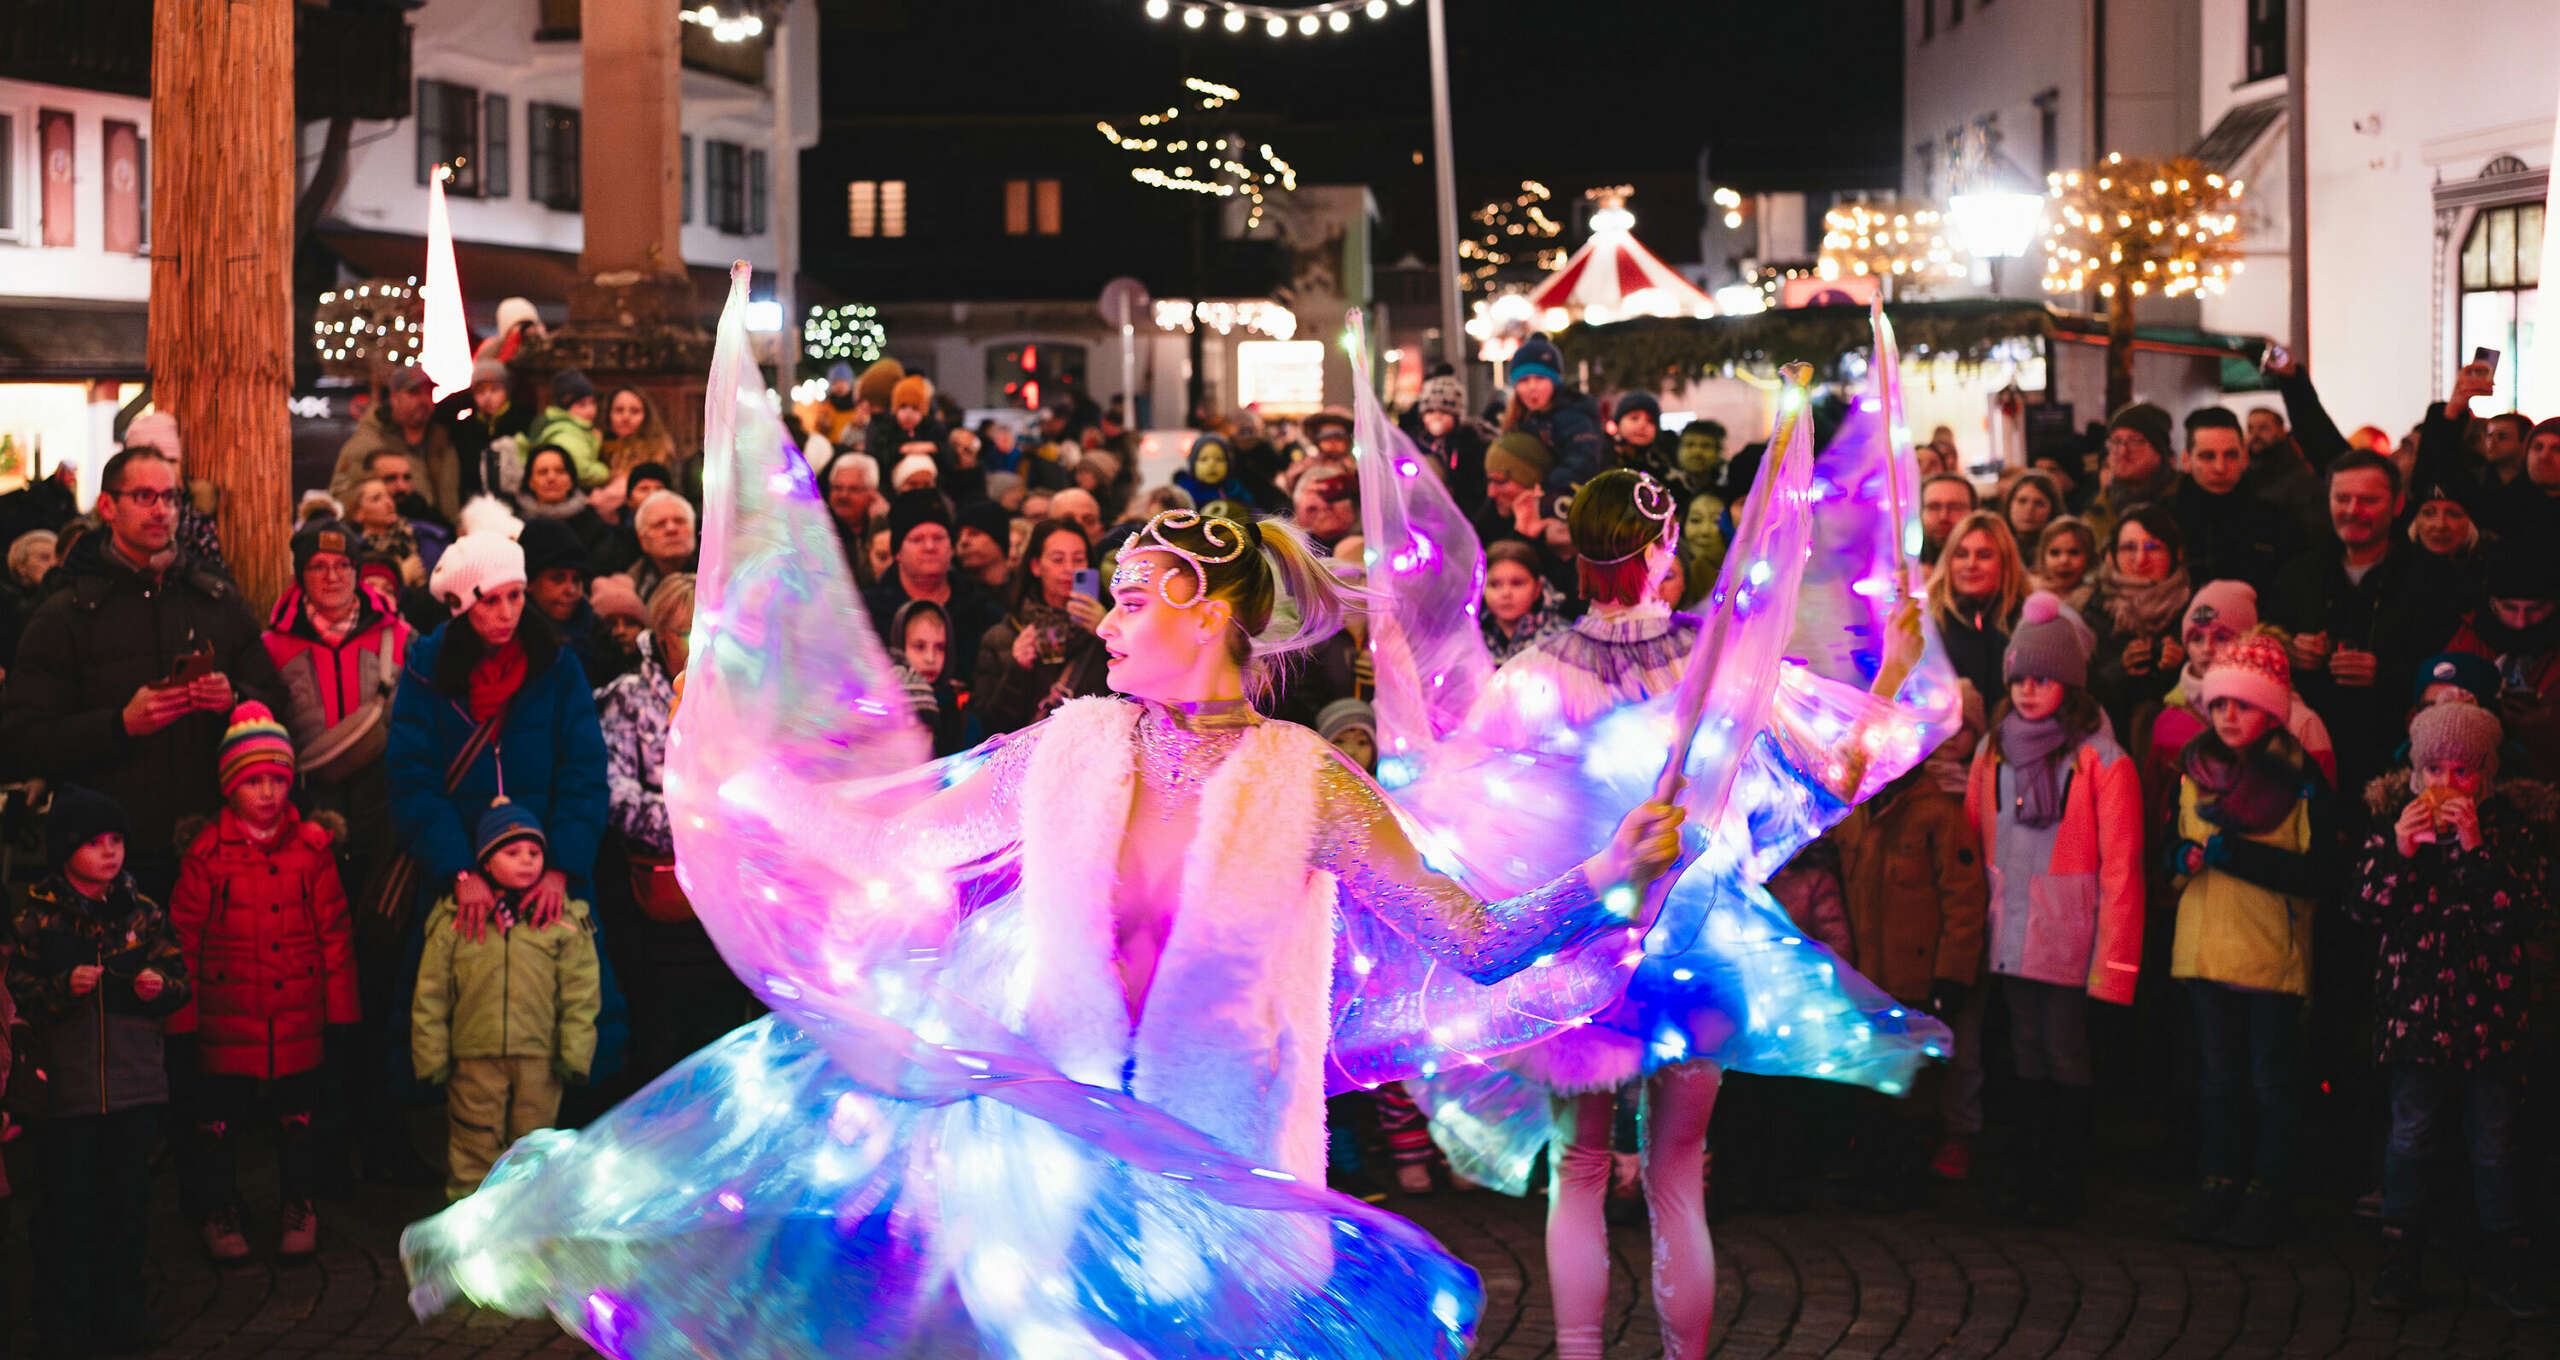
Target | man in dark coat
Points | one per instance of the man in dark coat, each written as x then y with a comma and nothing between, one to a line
2232,534
100,693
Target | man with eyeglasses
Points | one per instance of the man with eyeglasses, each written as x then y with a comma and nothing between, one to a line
2137,467
102,693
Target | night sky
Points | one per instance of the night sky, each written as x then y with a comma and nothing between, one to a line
1806,94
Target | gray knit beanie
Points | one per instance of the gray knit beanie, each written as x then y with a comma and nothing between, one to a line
2048,644
2463,732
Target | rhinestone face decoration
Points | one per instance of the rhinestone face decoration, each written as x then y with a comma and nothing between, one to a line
1654,502
1227,541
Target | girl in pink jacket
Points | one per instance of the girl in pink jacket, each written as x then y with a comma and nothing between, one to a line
2059,806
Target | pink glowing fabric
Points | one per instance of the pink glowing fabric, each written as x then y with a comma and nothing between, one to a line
881,1168
1795,632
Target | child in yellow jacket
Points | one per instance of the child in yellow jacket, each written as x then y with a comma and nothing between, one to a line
507,998
2251,823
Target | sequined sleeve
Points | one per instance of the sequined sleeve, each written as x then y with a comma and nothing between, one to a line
978,812
1363,845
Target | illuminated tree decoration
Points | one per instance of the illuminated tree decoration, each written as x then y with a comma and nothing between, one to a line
367,329
1898,241
2135,227
1509,240
1207,161
851,333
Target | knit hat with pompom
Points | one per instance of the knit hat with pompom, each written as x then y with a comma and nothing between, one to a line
253,741
2049,643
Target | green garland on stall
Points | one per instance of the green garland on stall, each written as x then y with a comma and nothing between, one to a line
1655,353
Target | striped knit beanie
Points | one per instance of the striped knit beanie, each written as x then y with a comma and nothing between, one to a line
254,739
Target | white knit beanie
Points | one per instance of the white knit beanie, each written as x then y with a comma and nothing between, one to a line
473,566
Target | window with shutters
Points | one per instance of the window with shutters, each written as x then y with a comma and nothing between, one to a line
12,221
724,187
496,173
449,134
551,137
756,223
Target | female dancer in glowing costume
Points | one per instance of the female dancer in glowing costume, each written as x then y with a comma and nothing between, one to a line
1825,711
1054,1019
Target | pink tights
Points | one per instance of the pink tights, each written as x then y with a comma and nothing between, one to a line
1678,1102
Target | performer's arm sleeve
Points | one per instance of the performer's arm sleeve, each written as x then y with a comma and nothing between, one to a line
1377,864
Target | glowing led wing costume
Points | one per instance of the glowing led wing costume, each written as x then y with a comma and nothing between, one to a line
907,1158
1796,633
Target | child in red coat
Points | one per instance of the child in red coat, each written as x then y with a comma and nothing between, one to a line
262,921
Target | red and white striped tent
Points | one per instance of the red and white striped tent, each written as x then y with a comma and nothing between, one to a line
1612,268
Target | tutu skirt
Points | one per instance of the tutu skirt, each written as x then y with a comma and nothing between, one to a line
755,1201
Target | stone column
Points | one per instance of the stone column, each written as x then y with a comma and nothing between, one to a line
634,318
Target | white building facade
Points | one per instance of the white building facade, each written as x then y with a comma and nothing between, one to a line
498,95
2428,156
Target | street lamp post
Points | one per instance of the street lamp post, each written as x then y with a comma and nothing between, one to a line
1452,332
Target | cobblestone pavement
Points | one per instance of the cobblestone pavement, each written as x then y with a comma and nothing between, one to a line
1949,1279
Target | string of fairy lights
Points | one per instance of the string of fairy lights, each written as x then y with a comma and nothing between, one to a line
1210,162
375,324
1278,21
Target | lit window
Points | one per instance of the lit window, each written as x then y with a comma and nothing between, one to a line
2501,285
876,208
1044,198
1017,207
1031,207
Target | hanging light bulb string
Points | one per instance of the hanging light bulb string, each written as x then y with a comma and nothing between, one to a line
1278,21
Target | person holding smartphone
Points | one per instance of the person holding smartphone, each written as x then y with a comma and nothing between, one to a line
2513,488
1044,652
125,675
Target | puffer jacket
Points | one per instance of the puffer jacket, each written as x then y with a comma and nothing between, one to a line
549,756
1911,869
101,1052
2452,982
338,695
576,438
1575,432
516,992
2077,919
265,932
2244,919
106,631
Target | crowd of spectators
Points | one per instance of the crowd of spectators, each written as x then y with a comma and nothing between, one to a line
2227,697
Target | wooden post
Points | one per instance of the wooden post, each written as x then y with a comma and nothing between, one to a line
221,353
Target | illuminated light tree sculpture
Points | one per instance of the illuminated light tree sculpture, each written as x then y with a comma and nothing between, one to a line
1899,242
1201,158
1510,239
2136,227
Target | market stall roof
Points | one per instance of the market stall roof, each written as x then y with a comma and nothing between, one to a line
1650,351
1611,267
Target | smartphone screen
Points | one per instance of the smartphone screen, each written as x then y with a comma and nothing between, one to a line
2484,355
1088,583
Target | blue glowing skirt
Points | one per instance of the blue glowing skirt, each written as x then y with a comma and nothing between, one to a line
755,1201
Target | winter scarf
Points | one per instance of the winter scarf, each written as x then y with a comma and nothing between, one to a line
530,508
2035,749
2248,792
2143,608
496,679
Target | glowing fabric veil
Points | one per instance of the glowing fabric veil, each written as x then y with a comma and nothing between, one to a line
1798,625
880,1168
